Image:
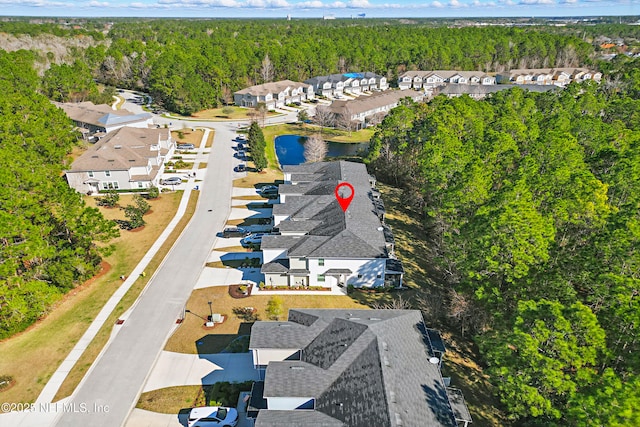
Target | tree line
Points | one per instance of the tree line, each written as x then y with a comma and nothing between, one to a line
531,202
190,65
49,240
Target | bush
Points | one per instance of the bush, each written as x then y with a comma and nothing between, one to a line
226,393
110,199
275,308
153,193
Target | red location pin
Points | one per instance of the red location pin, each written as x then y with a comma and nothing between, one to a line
344,201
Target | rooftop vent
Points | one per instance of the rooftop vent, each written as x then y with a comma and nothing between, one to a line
385,346
117,147
386,361
297,368
374,318
398,420
392,396
380,228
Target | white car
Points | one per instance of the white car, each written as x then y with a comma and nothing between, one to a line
213,416
174,180
252,239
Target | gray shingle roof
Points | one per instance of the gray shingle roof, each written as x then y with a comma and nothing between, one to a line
362,367
295,419
356,233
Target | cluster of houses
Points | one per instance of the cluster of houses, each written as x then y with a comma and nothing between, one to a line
128,154
333,367
274,94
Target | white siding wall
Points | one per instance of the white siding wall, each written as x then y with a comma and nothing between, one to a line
276,280
286,403
263,356
269,255
369,269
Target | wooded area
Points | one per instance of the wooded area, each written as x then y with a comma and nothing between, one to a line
190,65
48,238
532,202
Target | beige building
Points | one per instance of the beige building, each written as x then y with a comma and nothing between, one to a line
127,158
273,94
369,109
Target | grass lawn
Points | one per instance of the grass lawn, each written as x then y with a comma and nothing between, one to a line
31,357
234,113
329,134
192,330
87,358
209,142
170,400
257,179
187,136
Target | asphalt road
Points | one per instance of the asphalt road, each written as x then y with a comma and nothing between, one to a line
111,388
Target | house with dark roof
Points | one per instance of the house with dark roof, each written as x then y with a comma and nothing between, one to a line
352,368
127,158
91,118
319,244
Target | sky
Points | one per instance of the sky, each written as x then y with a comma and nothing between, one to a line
319,8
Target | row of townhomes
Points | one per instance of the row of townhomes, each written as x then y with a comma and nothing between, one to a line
125,159
274,94
97,120
352,368
321,246
129,153
335,85
428,80
369,110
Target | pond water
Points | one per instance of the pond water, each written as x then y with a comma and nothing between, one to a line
290,149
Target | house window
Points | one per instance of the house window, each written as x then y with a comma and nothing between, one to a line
320,278
107,173
321,262
379,276
110,185
140,184
90,173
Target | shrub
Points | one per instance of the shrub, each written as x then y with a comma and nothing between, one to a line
275,307
225,392
154,192
110,199
5,380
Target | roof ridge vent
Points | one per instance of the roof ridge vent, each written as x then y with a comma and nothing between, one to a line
398,420
385,346
385,359
297,368
392,395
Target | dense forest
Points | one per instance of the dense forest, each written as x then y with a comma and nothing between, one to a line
532,202
47,235
189,65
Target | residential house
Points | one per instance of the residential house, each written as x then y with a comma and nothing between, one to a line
548,76
91,119
371,109
127,158
273,94
352,368
335,85
319,244
482,91
429,80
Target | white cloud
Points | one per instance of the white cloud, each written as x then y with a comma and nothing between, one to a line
314,4
98,4
359,4
456,4
437,4
278,4
532,2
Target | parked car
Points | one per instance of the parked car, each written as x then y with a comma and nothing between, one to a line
174,180
241,137
235,232
252,239
185,146
314,101
268,190
241,168
210,416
